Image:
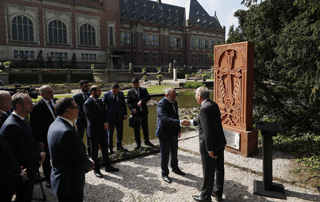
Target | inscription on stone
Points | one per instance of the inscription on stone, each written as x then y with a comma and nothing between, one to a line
233,139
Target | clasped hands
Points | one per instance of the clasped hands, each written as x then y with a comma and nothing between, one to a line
185,122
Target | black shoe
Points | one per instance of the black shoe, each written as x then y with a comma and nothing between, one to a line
122,149
217,198
148,143
137,147
200,198
110,168
48,184
98,174
166,178
178,171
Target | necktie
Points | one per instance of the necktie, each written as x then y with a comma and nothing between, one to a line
27,123
115,99
138,94
52,108
174,108
97,103
85,96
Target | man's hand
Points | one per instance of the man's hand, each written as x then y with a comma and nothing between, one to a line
212,155
179,134
185,122
106,126
23,173
134,111
139,103
43,156
92,164
125,118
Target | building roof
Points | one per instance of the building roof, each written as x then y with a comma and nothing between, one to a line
193,14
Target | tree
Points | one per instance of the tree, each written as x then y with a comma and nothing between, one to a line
74,61
286,34
49,62
39,60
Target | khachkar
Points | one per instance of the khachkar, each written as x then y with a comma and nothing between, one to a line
233,92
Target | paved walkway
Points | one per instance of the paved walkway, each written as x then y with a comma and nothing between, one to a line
139,179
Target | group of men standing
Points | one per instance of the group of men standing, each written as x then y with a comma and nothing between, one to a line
52,135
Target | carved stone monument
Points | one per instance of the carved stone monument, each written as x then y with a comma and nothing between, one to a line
233,92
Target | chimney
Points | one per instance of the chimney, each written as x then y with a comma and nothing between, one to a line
159,2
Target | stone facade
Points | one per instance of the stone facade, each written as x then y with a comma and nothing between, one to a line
109,33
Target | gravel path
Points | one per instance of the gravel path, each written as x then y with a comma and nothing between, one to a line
139,180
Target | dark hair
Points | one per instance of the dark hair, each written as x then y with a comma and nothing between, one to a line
83,82
115,85
134,80
63,104
18,98
93,88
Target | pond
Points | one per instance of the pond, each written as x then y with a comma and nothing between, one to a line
185,100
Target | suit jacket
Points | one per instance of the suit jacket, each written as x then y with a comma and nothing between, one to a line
96,116
69,161
168,123
114,109
21,139
132,100
211,136
3,117
78,98
40,119
10,178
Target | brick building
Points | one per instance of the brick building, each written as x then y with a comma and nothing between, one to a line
108,33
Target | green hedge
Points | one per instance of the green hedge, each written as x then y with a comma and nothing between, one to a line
23,78
193,84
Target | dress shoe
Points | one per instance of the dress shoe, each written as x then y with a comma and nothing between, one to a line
98,174
122,149
48,184
166,178
137,147
178,171
200,198
148,143
110,168
217,198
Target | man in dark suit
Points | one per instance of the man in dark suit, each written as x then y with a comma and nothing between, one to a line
114,102
168,131
81,121
137,99
69,161
5,106
17,132
212,144
11,175
97,130
41,117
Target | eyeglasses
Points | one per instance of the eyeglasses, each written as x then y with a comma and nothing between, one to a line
75,107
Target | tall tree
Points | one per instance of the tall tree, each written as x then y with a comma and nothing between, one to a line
286,34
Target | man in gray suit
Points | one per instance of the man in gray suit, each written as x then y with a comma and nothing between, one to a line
212,144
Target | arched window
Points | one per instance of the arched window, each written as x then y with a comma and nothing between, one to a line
57,32
22,29
87,35
111,35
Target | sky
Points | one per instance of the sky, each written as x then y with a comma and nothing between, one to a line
224,9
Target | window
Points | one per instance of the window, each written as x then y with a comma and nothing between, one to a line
171,57
206,44
22,29
155,57
126,38
200,58
111,36
179,58
127,56
146,57
57,32
193,57
87,35
193,43
154,40
179,44
171,42
200,45
212,45
145,39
